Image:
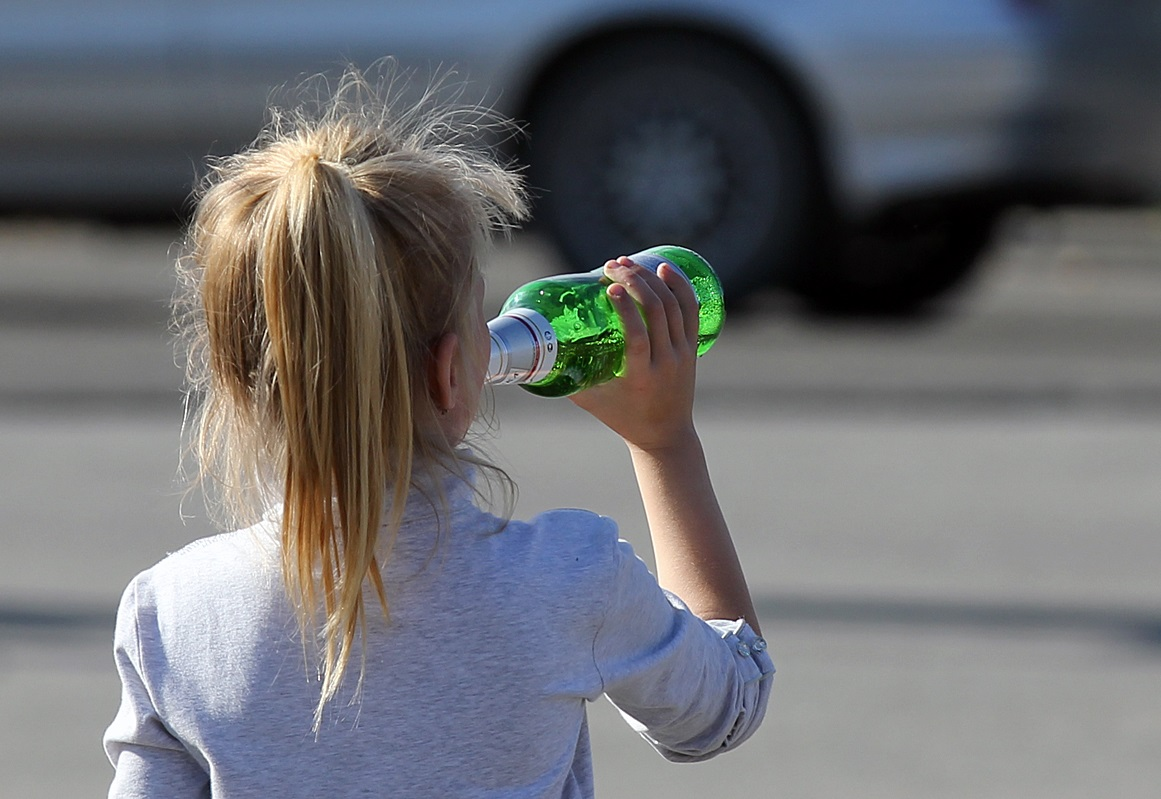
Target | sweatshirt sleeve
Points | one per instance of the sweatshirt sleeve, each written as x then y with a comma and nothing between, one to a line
692,688
148,760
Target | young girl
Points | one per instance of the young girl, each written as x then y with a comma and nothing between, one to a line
372,630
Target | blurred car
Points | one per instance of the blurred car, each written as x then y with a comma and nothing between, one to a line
856,151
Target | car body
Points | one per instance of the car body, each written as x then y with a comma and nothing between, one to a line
786,140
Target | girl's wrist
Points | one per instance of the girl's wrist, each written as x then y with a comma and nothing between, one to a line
678,442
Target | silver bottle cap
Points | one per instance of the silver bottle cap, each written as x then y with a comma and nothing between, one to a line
523,349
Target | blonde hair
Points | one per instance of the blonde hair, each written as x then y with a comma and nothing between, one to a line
321,266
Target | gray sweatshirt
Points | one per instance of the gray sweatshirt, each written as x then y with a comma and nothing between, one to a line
474,687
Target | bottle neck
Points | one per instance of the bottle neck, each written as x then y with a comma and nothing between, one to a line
523,348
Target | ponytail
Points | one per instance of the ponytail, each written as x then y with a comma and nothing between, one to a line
323,264
324,306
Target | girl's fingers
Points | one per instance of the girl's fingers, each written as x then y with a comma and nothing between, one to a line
637,347
648,305
660,307
686,327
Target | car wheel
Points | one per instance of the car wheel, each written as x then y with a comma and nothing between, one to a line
899,261
672,139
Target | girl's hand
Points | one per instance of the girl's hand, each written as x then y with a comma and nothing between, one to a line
651,405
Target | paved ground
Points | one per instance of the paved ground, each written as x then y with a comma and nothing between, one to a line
950,526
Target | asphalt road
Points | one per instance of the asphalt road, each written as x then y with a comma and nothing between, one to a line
950,525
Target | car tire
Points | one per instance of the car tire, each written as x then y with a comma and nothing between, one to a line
672,139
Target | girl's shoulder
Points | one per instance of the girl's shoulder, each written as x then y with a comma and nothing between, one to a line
214,566
560,548
239,547
584,524
568,529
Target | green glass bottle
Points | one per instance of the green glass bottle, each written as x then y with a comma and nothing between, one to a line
559,335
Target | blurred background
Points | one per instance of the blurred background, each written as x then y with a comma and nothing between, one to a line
934,416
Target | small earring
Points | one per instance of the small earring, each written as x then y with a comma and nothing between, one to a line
443,411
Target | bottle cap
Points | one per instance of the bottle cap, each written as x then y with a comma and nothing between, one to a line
523,347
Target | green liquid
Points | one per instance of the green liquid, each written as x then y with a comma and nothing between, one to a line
591,338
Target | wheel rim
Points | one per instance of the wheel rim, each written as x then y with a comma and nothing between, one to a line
666,177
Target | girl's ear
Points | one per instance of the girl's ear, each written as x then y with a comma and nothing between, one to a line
444,371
